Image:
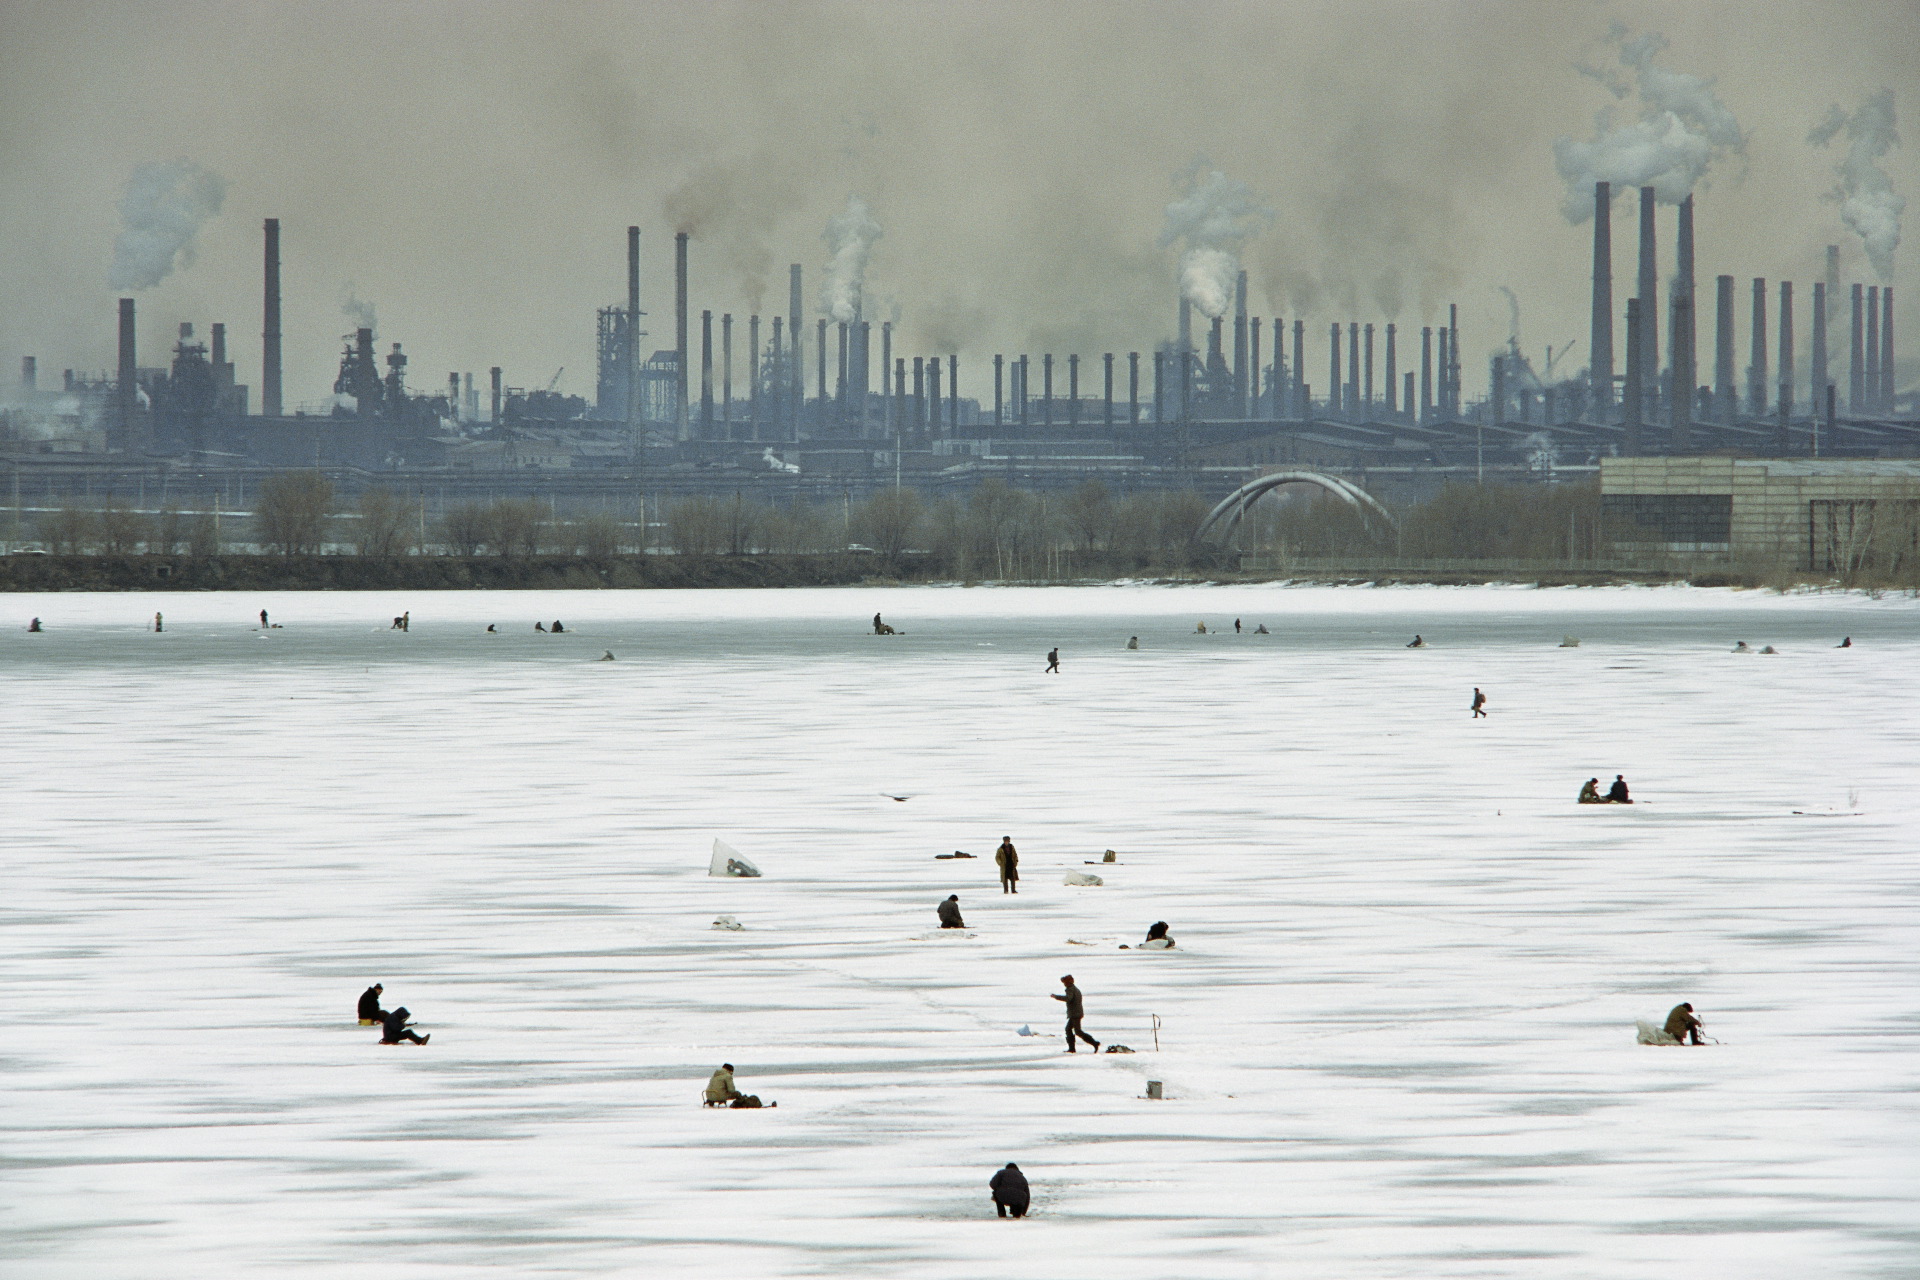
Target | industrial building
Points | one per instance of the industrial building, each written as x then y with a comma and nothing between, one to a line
797,405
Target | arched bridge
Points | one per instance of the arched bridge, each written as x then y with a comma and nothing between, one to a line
1224,520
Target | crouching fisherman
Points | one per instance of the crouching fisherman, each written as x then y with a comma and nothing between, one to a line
1682,1022
950,913
1011,1195
1157,938
721,1093
370,1010
1590,793
395,1029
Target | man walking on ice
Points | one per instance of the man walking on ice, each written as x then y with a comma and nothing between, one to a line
1479,704
1075,1009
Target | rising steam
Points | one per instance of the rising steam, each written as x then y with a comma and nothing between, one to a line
1682,130
353,308
161,212
1213,217
849,235
1865,192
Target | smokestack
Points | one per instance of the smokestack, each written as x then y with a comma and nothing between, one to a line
1856,372
820,378
1725,401
1426,373
1186,323
1133,388
1393,390
1446,374
1872,391
1407,399
841,403
753,376
1600,344
1301,395
1333,372
862,345
680,377
1253,367
494,417
1786,349
126,389
1833,286
933,396
1240,345
999,390
1366,394
632,353
1887,387
1106,419
1073,388
1649,301
1453,360
217,351
1636,360
29,373
919,416
1497,388
1046,389
887,421
1757,360
1684,371
1817,362
796,369
270,324
706,375
1352,397
726,375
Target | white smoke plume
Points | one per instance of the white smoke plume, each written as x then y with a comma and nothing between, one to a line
1213,217
1682,129
161,212
353,308
1865,193
849,235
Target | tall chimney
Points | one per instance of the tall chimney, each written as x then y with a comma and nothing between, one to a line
1133,388
1427,375
1453,360
1333,372
29,373
1856,372
1873,349
1649,302
820,379
1631,409
1252,409
1446,375
886,380
1757,360
1302,409
1887,386
270,325
681,372
126,388
1833,287
1366,394
1106,416
726,375
1240,380
1680,367
1600,344
1817,357
706,375
753,376
1046,389
1685,371
1407,399
863,344
495,374
1725,399
1393,390
1073,388
1352,397
933,396
841,370
1786,348
1186,323
796,368
631,356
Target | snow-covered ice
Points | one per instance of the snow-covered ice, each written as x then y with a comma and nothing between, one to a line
1397,1035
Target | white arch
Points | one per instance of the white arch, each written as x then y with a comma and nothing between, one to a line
1225,518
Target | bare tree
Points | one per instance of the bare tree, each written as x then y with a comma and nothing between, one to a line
168,534
386,524
121,531
514,525
203,537
69,531
463,528
1089,515
697,526
291,513
598,536
888,520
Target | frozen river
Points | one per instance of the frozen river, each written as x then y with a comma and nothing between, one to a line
1396,1038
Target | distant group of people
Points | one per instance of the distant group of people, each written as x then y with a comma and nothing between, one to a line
395,1027
1616,794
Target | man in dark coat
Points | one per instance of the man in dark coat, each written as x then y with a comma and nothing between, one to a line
1053,661
950,913
395,1030
1479,705
1682,1023
1617,793
1075,1009
370,1010
1008,860
1010,1192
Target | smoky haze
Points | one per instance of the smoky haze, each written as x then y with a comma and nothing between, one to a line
469,169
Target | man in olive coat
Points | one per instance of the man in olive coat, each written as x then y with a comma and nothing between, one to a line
1009,863
1682,1023
1011,1195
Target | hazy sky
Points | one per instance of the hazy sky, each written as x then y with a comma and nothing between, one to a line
469,168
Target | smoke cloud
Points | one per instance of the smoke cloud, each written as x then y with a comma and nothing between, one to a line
1682,129
1213,217
1865,193
161,212
849,235
353,308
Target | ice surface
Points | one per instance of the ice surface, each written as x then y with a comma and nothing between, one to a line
1397,1034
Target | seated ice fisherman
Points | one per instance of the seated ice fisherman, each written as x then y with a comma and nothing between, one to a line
1590,793
370,1010
720,1090
395,1029
1617,793
950,913
1157,939
1682,1022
